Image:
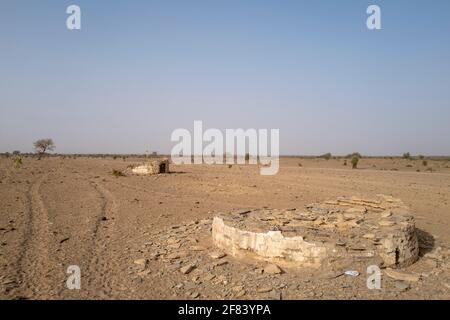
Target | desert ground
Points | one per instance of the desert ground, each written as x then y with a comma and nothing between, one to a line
133,235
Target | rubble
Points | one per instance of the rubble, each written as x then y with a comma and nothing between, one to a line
154,167
323,234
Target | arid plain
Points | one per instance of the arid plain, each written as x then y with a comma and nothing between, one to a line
132,236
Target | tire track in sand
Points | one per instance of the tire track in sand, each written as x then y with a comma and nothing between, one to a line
101,278
35,266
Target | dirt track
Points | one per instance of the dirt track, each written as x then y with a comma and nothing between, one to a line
59,212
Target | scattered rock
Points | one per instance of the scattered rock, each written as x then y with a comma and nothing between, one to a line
272,269
220,263
264,289
144,273
240,294
237,288
141,262
217,255
386,214
197,248
402,285
402,275
174,256
209,277
386,223
275,295
187,269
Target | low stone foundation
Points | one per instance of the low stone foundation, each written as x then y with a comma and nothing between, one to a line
380,229
155,167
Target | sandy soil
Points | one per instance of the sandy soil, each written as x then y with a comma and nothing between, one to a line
131,235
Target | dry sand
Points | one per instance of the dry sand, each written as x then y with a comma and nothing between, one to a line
132,235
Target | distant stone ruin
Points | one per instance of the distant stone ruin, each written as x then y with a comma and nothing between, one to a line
381,230
154,167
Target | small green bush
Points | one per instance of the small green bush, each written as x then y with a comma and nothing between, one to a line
326,156
17,162
407,156
355,161
118,173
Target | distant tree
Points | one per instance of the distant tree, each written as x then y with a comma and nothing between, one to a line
421,157
326,156
43,145
354,154
407,156
16,152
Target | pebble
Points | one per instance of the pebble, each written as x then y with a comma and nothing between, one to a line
220,263
209,277
275,295
272,269
187,269
217,255
264,289
402,285
141,262
240,293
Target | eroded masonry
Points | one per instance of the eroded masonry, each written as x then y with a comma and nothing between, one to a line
380,229
154,167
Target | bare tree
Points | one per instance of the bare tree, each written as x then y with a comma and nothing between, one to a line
43,145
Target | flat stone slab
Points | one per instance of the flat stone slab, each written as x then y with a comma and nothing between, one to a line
380,229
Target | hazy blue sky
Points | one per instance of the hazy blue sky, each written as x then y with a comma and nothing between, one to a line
140,69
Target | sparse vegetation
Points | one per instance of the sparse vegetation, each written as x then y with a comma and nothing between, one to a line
17,162
345,163
425,163
355,161
407,156
300,165
326,156
117,173
43,145
354,154
421,157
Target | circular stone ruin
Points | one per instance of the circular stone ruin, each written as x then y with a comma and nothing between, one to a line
347,229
